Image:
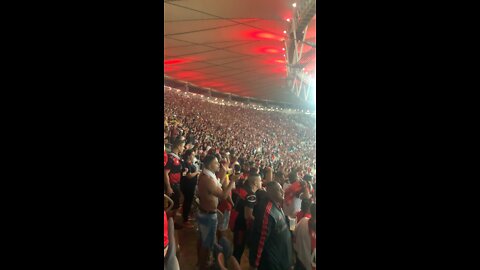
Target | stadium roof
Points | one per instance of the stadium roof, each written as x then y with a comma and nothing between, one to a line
233,46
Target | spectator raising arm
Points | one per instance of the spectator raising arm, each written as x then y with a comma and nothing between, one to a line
216,190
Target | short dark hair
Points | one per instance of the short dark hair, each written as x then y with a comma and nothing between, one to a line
292,176
308,177
177,143
208,159
271,184
187,153
253,170
251,178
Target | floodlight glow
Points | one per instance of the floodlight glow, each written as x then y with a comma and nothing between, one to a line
294,4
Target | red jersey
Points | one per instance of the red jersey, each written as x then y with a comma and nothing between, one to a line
165,158
224,205
292,191
165,229
174,164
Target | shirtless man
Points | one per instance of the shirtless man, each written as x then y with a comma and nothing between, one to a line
209,192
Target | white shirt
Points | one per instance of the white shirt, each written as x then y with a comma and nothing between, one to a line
213,176
303,243
292,209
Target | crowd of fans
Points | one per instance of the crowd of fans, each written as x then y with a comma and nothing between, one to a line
284,141
257,169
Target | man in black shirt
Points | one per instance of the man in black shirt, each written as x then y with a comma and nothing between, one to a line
188,183
261,196
271,246
172,174
244,206
241,180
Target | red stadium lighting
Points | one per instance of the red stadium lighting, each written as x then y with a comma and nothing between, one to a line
173,61
288,20
264,35
284,31
294,5
269,50
283,49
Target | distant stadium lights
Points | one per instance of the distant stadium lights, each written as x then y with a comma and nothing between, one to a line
284,31
283,49
288,20
294,5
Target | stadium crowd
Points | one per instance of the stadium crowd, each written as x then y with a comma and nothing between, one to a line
253,172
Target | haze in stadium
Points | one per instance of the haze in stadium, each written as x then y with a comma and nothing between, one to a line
240,166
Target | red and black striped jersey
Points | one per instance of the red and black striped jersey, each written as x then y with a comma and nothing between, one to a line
175,166
271,245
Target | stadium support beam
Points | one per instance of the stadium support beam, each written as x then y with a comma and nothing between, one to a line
298,82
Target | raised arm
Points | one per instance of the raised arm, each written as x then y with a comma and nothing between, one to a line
217,191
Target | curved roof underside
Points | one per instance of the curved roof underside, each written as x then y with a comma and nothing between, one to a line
231,46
